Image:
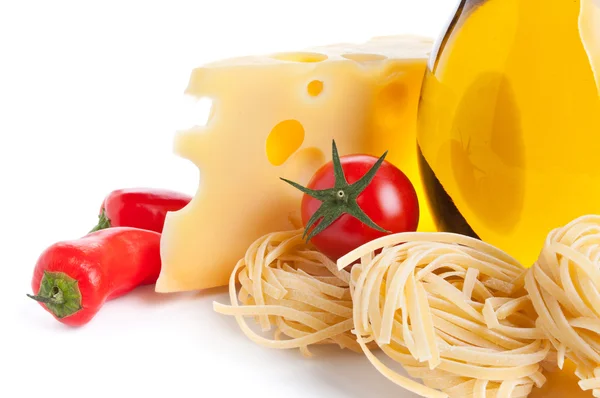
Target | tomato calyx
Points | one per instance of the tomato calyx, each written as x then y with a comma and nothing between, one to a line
339,200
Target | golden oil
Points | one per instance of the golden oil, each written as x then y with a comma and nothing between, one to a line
509,121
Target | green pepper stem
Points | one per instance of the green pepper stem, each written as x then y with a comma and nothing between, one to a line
59,293
56,298
103,222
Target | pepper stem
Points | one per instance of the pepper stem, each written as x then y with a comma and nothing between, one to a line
103,222
56,297
60,293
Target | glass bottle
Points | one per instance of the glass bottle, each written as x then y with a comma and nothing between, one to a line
509,121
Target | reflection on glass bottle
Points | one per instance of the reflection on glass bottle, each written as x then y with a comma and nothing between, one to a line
589,26
509,123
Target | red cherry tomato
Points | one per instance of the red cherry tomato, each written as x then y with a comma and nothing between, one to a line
389,200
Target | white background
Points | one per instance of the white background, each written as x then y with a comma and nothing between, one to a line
89,97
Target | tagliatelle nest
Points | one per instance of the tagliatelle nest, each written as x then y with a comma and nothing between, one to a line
564,285
294,291
452,311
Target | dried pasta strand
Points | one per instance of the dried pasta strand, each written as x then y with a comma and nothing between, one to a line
452,311
564,286
294,291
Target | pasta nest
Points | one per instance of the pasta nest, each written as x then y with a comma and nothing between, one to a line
452,311
564,285
293,291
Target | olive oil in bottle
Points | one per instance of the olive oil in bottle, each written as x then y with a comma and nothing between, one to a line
509,121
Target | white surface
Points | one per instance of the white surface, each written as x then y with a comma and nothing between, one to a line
88,103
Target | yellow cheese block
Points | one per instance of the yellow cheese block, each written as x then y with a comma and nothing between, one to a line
275,116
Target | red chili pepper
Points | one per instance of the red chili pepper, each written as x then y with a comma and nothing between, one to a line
143,208
74,278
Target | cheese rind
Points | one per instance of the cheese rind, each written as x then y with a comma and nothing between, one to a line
275,116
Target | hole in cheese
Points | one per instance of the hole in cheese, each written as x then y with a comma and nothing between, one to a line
390,101
285,139
315,88
303,165
363,57
195,112
300,57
